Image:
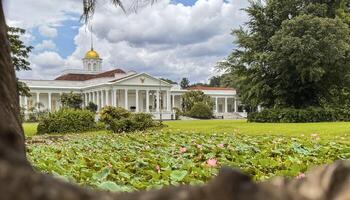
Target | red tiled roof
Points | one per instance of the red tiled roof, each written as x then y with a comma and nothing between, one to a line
84,77
209,88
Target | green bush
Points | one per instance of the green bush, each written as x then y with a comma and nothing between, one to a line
67,121
110,113
92,107
120,120
178,113
200,111
291,115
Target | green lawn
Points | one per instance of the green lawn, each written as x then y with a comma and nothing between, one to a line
30,129
326,130
339,131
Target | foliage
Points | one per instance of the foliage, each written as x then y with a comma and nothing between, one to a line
92,107
120,120
289,115
200,111
178,113
185,83
71,100
292,54
110,113
193,97
157,159
19,54
67,120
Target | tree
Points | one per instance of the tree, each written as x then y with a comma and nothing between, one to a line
280,63
71,100
20,54
189,99
215,81
185,83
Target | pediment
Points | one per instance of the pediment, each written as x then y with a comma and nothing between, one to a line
142,79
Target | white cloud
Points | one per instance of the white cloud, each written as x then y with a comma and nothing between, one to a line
32,13
168,40
45,65
47,31
45,45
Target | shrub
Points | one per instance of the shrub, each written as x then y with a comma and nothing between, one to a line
290,115
67,121
71,100
110,113
200,111
142,121
178,113
92,107
120,120
193,97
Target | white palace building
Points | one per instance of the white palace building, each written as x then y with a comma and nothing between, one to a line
137,92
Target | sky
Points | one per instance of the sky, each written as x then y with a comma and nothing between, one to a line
170,39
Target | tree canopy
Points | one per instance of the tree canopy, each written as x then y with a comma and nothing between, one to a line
292,54
19,54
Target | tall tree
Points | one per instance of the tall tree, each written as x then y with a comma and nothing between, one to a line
290,49
185,83
20,53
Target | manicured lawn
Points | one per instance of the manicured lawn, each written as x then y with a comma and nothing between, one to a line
30,129
330,131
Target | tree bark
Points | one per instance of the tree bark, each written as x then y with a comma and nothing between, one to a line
11,133
19,181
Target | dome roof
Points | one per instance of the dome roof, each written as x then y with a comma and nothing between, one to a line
92,55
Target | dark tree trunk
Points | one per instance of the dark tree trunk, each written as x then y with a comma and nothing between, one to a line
11,133
18,181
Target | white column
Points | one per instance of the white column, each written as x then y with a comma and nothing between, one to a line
20,100
94,98
126,99
147,100
107,98
168,103
26,103
235,105
216,105
225,104
115,98
37,100
173,101
158,101
86,99
103,98
98,100
137,101
49,101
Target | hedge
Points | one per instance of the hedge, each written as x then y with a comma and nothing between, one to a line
200,111
291,115
67,121
120,120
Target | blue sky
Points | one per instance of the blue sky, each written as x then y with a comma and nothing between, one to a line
172,38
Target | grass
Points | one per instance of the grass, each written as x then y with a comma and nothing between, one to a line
339,131
328,131
30,129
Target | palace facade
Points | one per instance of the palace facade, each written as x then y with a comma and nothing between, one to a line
136,92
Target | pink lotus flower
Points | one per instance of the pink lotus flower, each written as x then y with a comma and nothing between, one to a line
212,162
300,176
158,169
221,145
183,149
